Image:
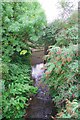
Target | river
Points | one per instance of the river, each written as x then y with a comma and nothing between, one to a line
41,106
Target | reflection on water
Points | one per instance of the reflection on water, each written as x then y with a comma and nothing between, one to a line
41,104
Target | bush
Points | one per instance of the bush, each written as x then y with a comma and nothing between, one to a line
62,74
62,71
22,24
17,89
69,34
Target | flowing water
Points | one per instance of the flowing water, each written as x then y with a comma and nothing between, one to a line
41,105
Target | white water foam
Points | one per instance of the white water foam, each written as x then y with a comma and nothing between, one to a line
37,71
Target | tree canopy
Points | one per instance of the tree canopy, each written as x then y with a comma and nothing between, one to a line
22,22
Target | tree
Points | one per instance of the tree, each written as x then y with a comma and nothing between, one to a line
66,8
22,22
49,34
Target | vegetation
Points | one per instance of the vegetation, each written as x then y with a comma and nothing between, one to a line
62,74
22,24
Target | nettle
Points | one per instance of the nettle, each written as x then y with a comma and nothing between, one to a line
62,72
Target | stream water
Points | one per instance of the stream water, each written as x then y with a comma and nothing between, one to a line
41,106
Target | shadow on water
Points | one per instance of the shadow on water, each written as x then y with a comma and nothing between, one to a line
41,106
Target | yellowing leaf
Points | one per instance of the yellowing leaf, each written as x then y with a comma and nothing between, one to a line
23,52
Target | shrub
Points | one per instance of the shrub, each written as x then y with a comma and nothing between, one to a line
62,73
17,89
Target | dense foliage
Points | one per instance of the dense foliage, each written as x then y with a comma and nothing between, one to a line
23,27
22,24
49,34
17,89
62,74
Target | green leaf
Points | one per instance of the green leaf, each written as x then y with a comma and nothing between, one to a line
18,49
